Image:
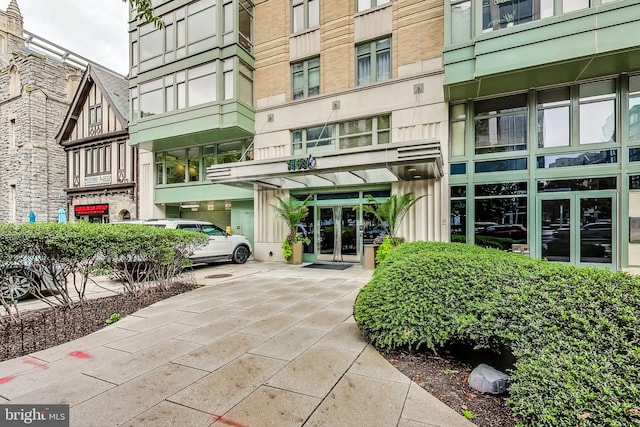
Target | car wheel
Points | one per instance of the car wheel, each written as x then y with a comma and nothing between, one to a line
15,287
240,255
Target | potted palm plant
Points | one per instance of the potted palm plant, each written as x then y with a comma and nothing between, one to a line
292,211
389,214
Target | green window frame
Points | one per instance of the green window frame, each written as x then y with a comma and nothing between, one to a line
373,61
305,78
360,132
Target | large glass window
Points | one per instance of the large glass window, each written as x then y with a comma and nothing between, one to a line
305,77
501,214
368,4
245,83
553,118
634,108
458,126
354,133
245,25
310,140
458,214
201,84
201,25
151,98
305,14
98,160
175,163
497,14
373,61
597,112
193,164
150,46
578,159
227,72
460,21
192,27
501,124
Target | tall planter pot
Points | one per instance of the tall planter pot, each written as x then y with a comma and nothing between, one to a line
296,256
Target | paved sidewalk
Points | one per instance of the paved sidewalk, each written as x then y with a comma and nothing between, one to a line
260,344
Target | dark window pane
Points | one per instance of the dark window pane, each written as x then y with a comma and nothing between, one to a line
458,221
458,169
634,182
459,191
608,183
501,165
500,222
502,189
634,154
379,193
578,159
334,196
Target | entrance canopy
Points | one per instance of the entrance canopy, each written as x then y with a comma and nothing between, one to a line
383,163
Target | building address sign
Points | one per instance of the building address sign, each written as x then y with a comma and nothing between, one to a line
301,164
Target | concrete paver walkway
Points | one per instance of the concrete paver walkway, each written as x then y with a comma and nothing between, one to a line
260,344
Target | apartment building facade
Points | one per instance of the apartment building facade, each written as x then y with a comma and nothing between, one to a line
191,88
101,166
36,87
348,104
544,147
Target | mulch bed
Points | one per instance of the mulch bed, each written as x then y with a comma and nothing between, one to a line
40,329
445,377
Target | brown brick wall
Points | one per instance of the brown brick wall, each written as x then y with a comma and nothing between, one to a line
418,30
417,35
271,48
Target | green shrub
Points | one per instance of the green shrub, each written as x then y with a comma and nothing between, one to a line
575,332
71,252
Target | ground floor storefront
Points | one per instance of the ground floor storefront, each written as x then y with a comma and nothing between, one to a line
553,172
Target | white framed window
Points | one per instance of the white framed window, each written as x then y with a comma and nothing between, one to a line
305,14
369,4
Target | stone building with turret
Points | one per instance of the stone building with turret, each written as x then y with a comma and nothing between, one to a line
38,80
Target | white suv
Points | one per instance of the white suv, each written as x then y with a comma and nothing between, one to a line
221,247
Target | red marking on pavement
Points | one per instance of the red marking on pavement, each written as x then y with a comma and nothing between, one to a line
80,354
4,380
227,422
37,363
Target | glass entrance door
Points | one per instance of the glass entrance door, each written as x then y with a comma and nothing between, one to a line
578,228
338,234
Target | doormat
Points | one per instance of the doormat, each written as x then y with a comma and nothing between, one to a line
340,266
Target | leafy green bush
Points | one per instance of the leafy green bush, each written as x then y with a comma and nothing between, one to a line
71,252
575,332
384,249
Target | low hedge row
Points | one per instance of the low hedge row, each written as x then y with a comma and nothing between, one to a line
74,251
575,332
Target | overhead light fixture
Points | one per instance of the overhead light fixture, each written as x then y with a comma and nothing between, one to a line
190,206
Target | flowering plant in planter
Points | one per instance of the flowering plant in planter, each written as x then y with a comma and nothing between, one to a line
287,244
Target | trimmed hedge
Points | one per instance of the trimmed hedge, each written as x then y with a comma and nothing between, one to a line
71,252
575,332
